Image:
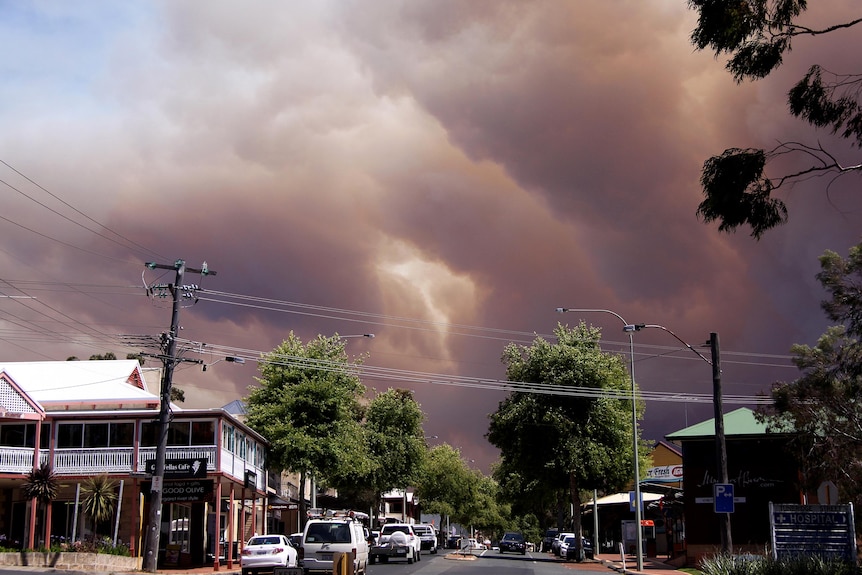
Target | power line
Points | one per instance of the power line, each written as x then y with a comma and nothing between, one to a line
134,244
401,375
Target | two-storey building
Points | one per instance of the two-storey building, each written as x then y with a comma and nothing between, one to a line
90,418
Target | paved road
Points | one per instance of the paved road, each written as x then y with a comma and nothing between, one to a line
488,563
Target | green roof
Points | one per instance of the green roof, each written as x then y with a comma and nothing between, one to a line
738,422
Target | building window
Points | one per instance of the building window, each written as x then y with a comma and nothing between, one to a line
70,435
178,433
227,440
23,435
181,433
203,433
95,435
122,435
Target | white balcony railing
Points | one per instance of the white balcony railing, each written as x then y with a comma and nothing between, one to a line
86,461
94,461
16,459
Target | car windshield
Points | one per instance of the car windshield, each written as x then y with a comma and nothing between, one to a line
513,537
569,540
264,541
327,533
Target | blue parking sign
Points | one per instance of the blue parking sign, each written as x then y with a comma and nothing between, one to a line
722,497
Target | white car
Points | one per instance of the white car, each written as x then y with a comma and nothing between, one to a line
396,540
474,544
266,552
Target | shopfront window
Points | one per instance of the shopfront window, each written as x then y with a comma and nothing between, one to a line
179,534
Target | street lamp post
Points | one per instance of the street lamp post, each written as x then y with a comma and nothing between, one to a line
720,442
628,328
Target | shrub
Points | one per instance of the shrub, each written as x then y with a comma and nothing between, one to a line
766,565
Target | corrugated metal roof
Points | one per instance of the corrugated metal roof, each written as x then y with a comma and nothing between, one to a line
738,422
75,382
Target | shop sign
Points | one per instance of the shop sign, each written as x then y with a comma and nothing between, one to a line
177,491
181,468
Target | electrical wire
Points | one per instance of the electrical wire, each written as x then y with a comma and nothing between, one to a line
129,243
401,375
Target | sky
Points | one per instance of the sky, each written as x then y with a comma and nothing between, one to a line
443,174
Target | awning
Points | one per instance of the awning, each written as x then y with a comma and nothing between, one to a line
276,502
622,498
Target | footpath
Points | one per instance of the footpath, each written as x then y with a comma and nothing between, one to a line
651,565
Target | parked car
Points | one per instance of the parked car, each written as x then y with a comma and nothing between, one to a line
427,537
514,543
327,534
396,540
572,552
548,540
453,542
266,552
555,546
563,548
296,540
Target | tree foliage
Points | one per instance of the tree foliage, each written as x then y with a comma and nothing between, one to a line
99,499
756,34
41,484
566,441
392,431
823,406
307,404
446,485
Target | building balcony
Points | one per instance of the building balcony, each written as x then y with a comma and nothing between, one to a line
121,460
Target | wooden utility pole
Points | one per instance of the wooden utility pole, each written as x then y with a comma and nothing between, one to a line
169,361
720,444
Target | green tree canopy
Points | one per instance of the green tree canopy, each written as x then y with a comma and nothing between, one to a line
756,34
392,431
446,485
307,405
822,408
569,440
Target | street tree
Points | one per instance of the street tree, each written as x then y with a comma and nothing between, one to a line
822,409
756,34
577,437
445,484
392,431
307,405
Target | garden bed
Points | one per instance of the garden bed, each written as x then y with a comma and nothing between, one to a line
74,561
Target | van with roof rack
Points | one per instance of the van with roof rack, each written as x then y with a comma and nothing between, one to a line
328,533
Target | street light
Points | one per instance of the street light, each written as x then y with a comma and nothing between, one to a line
628,328
229,359
720,441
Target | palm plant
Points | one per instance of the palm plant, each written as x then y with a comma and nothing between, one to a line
99,499
41,484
